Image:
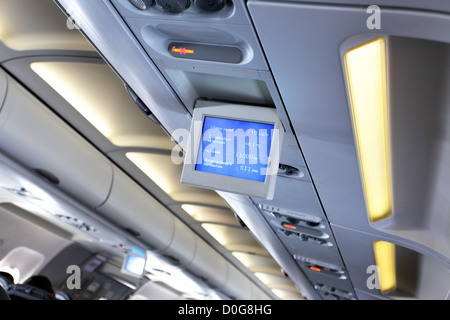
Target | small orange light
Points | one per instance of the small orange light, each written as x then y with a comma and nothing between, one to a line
315,269
182,50
289,226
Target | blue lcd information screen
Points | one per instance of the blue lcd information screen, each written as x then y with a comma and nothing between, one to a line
235,148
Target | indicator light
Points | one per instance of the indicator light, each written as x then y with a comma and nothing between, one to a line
289,226
218,53
182,50
315,269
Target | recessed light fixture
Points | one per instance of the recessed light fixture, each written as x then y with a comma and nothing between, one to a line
385,259
365,68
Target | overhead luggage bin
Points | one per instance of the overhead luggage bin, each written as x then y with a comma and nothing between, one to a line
209,265
40,141
132,208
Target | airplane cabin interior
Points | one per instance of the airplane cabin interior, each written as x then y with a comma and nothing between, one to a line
339,190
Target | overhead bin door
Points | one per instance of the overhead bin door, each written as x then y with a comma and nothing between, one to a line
39,140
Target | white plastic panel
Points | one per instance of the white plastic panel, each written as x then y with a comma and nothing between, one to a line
238,286
38,139
209,265
183,245
129,206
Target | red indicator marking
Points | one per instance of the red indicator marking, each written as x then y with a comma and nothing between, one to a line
289,226
182,50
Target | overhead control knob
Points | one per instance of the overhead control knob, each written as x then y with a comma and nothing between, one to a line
173,6
210,5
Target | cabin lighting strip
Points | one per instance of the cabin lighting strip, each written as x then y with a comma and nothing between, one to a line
365,68
68,88
385,260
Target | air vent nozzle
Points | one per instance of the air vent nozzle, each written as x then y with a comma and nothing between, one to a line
210,5
173,6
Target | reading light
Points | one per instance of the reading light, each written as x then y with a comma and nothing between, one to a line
366,80
385,259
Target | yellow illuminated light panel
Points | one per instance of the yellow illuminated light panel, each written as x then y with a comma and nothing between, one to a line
385,259
367,85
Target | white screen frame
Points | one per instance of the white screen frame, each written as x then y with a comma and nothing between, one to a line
214,181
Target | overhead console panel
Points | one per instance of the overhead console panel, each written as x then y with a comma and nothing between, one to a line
325,41
207,50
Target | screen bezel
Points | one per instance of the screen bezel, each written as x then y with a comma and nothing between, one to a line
220,182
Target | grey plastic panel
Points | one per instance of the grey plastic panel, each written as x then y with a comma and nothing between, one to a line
419,274
191,85
433,5
232,13
209,265
241,82
183,246
156,40
155,28
237,285
296,217
3,88
295,195
245,208
291,155
322,120
36,138
129,206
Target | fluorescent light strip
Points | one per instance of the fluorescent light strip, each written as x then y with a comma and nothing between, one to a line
151,169
218,232
385,259
55,74
367,85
